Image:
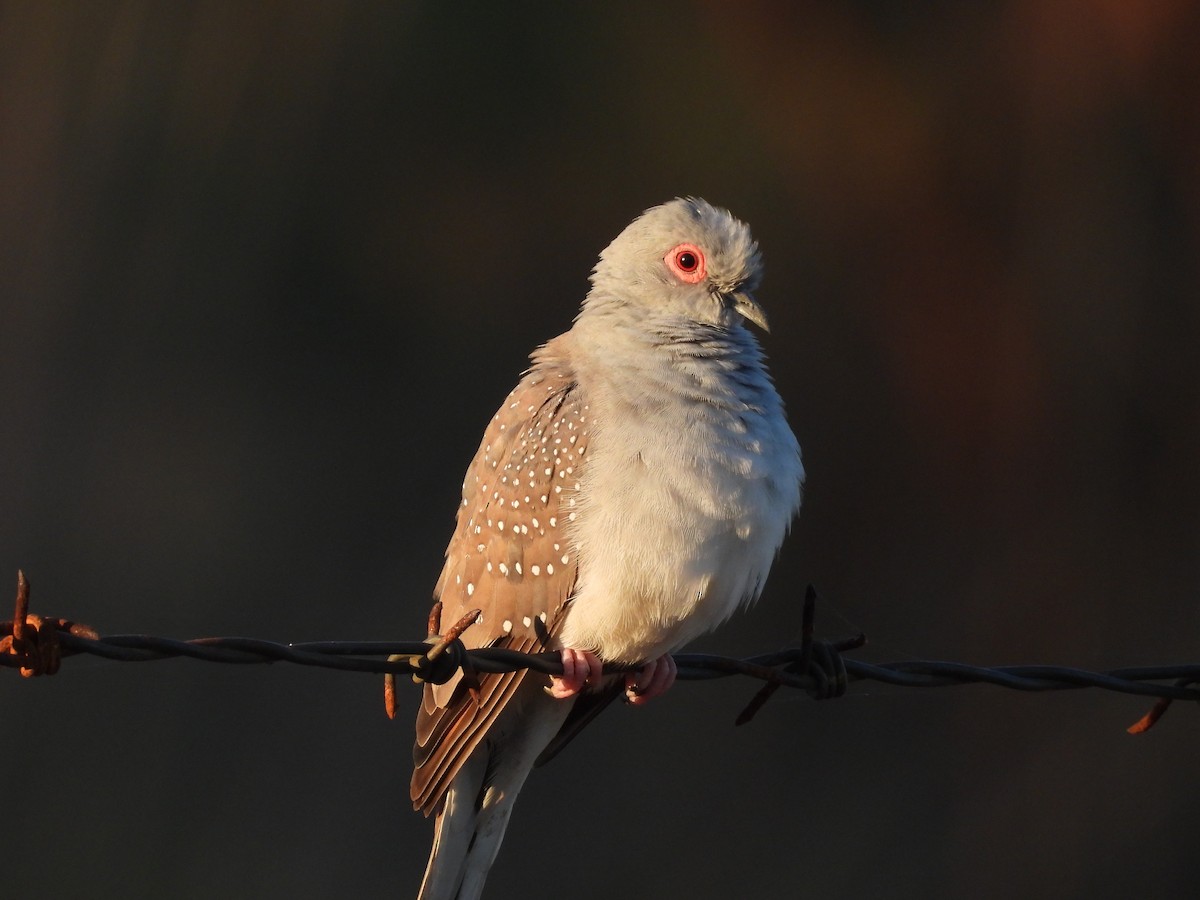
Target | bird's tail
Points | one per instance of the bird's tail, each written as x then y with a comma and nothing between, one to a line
470,825
468,833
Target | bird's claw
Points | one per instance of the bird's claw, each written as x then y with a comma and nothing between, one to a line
653,680
579,668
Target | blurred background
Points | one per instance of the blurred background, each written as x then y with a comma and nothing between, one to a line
266,270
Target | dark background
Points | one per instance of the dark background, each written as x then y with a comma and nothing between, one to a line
267,269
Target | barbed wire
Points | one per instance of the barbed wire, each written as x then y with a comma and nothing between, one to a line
37,645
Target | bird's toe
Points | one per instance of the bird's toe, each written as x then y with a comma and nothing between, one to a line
579,668
653,680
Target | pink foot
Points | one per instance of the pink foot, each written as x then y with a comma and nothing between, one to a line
579,667
653,680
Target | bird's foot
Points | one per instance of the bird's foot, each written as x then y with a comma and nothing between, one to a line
652,680
579,667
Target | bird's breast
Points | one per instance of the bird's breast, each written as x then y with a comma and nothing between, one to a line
687,496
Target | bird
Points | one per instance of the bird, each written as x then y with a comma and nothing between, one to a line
631,493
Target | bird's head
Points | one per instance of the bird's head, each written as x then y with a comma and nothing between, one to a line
685,260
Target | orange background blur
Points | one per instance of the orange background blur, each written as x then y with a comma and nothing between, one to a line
267,269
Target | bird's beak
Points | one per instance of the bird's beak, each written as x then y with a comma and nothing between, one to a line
749,308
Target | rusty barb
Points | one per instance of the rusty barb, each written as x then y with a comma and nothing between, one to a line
37,645
31,642
423,664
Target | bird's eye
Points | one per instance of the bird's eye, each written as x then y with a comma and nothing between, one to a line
686,262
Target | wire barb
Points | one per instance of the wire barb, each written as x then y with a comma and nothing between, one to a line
427,668
36,645
821,661
1159,709
33,643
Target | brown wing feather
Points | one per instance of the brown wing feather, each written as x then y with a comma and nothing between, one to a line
509,557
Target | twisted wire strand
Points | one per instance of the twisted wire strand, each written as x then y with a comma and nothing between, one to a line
371,656
37,645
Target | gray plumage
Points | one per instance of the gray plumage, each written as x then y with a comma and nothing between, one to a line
629,495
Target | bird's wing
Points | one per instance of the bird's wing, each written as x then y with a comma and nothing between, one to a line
510,557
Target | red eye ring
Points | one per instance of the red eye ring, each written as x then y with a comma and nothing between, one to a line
687,263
